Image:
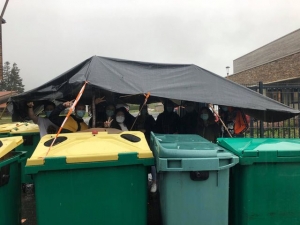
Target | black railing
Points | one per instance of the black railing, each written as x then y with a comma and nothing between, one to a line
286,94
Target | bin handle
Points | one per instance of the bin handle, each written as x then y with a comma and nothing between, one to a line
233,161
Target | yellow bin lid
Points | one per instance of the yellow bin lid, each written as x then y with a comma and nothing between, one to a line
7,144
89,147
25,128
7,127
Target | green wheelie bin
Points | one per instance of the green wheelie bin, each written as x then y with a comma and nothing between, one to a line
89,178
264,186
10,181
193,179
31,135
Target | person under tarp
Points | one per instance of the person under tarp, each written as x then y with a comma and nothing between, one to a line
207,127
235,120
188,123
74,123
167,122
45,125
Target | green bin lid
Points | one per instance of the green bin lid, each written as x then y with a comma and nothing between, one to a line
189,153
7,144
185,146
175,138
251,150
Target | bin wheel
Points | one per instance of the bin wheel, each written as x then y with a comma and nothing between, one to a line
28,188
24,188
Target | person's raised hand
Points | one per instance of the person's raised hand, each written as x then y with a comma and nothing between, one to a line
68,104
108,122
30,104
99,100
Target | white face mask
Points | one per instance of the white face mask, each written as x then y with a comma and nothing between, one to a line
120,119
109,112
48,113
204,116
80,113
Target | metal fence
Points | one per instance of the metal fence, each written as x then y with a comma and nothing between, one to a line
286,94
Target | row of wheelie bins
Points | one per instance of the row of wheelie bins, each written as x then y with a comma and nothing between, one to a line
238,181
82,178
101,178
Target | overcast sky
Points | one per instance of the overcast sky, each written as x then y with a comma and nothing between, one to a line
46,38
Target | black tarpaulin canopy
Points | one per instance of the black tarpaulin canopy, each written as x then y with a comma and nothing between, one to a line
188,82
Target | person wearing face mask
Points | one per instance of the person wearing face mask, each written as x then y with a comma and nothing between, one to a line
228,120
168,121
207,127
105,115
74,122
144,122
235,120
109,119
128,117
42,122
188,123
121,121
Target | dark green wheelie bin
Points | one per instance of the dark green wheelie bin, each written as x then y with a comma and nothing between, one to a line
31,137
264,186
88,178
10,181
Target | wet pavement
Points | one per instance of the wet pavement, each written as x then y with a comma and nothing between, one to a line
29,208
154,214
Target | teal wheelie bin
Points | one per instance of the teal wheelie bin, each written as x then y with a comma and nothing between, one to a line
193,179
10,181
264,186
